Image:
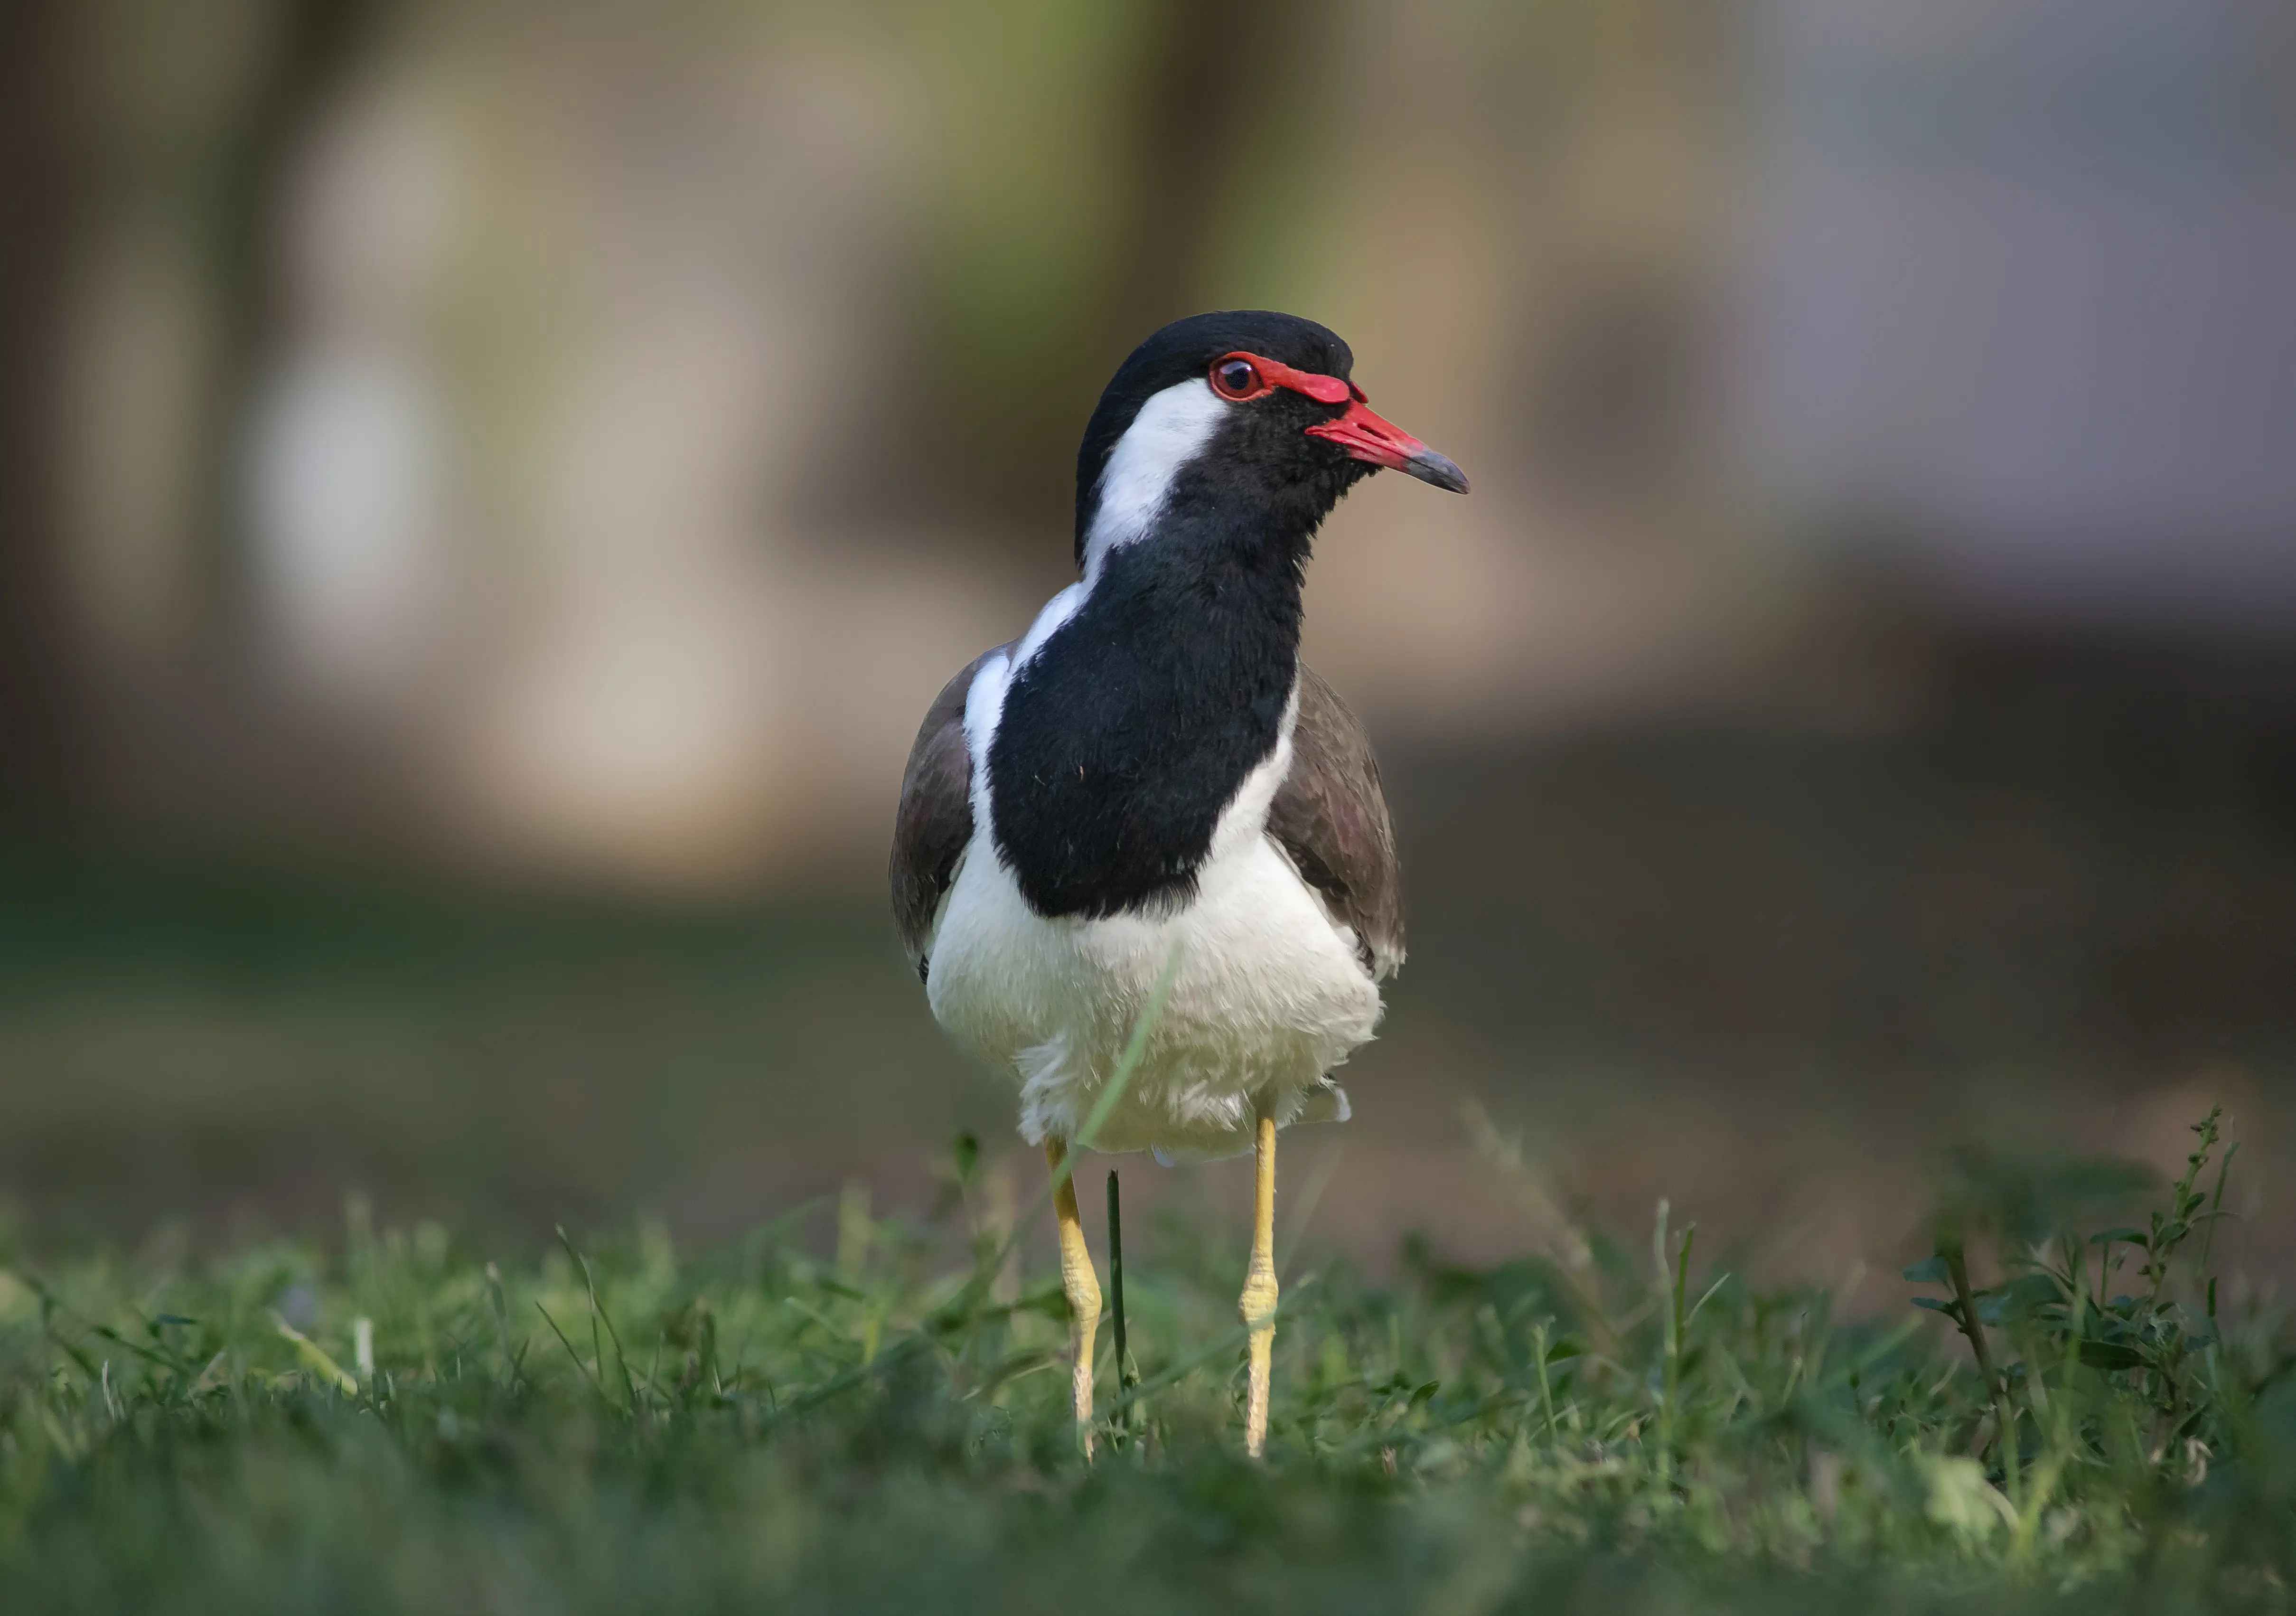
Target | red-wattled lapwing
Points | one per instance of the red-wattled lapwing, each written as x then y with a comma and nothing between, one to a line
1147,788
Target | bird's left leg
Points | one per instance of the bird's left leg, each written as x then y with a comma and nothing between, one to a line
1083,1288
1258,1303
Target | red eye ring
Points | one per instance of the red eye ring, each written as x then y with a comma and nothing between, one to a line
1237,376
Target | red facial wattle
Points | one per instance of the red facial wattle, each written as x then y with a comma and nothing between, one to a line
1358,430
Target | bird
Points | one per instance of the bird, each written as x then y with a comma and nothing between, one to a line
1147,799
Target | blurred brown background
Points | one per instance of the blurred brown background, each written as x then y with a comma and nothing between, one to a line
487,490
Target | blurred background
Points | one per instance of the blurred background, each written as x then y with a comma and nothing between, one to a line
487,490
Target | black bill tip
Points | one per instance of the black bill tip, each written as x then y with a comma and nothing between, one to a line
1437,470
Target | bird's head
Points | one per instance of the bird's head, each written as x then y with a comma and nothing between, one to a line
1246,419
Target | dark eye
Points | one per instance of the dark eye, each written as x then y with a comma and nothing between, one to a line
1235,378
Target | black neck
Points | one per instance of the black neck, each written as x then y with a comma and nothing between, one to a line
1132,728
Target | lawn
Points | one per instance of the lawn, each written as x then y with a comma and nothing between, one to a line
845,1412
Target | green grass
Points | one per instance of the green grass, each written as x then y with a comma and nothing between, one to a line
847,1413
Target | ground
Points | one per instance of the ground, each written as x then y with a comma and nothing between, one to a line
1818,997
843,1412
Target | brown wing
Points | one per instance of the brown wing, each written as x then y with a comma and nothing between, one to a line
1329,817
935,818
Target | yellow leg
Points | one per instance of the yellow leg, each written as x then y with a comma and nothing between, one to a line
1083,1288
1258,1301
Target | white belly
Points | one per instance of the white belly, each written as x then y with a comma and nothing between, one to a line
1267,996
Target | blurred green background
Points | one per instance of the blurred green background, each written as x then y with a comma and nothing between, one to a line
489,489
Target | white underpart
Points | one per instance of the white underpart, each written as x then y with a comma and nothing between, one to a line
1268,993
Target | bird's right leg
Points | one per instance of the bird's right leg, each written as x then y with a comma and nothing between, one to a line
1258,1303
1083,1288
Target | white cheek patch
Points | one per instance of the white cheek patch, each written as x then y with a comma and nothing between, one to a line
1171,428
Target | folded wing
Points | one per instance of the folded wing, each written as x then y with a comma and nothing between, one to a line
934,820
1329,817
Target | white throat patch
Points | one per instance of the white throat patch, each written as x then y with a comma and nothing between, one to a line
1171,430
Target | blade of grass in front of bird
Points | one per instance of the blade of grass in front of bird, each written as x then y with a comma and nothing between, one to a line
1571,1254
2216,1209
1671,1309
1125,1378
899,1352
149,1355
1134,1048
498,1303
599,1315
1546,1385
1306,1203
49,1308
588,1373
313,1355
